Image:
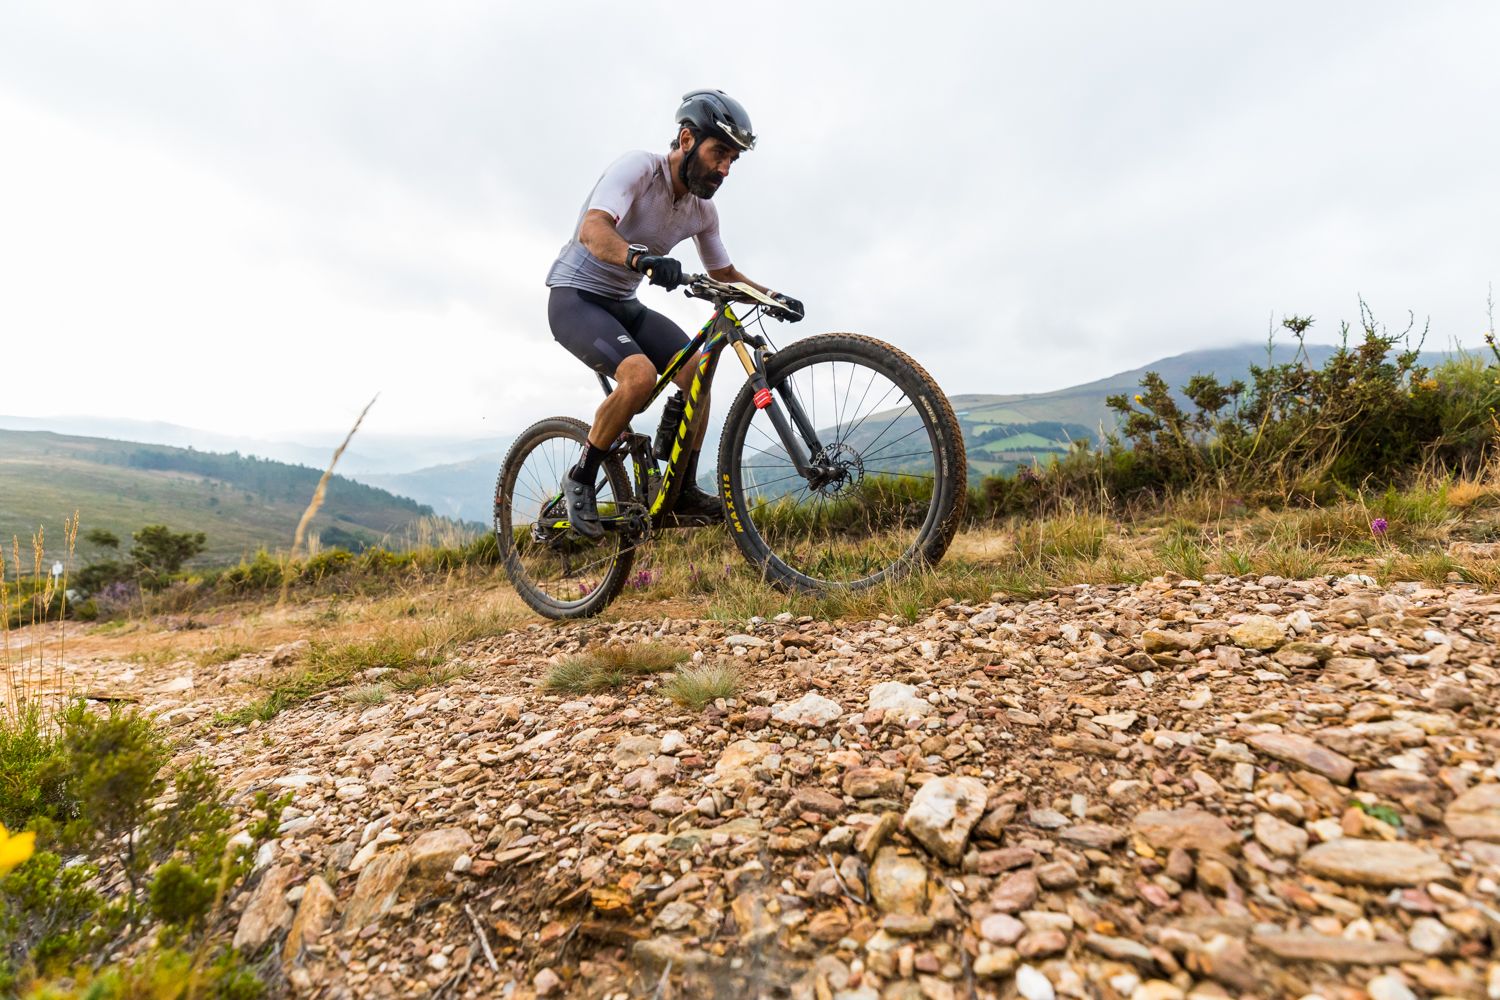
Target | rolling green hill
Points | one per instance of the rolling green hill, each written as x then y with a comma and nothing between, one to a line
240,503
462,490
1004,431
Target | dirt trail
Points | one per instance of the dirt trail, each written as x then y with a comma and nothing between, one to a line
1229,788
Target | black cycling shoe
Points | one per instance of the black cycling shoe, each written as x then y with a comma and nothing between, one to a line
583,507
693,502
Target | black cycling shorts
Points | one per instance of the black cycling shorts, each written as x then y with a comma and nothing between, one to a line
601,331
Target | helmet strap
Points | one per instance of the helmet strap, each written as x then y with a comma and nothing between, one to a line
682,168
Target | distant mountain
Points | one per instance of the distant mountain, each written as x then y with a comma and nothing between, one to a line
240,503
372,453
456,476
462,490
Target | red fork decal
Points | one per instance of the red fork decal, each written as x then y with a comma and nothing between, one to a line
762,398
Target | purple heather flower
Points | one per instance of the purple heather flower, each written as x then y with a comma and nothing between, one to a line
1379,526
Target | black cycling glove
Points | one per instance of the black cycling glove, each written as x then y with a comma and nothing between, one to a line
794,306
663,271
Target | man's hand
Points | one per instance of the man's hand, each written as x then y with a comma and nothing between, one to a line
663,271
793,306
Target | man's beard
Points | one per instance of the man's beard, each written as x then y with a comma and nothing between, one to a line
700,181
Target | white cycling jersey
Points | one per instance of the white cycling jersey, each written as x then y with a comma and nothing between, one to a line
636,191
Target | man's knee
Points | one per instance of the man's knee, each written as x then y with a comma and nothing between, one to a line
636,375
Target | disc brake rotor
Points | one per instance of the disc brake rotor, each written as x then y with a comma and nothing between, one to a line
847,469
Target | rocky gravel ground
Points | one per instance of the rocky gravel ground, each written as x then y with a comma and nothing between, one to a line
1226,788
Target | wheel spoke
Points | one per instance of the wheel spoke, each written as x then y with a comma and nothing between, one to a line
869,514
555,570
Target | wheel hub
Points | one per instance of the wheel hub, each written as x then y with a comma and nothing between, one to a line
840,470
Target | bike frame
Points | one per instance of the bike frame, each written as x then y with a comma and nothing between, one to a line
795,431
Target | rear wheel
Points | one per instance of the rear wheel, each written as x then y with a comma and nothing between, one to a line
896,474
556,571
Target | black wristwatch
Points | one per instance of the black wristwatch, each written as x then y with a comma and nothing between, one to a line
635,252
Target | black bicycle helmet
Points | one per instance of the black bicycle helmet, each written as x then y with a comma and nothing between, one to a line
715,113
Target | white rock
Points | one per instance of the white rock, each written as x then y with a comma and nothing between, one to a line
748,641
296,780
899,700
812,709
1430,936
1032,985
1389,988
943,812
1200,698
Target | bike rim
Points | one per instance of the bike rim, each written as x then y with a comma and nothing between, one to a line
871,518
555,562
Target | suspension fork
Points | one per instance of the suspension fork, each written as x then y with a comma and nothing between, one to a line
785,415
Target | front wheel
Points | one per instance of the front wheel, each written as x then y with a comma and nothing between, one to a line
894,480
555,570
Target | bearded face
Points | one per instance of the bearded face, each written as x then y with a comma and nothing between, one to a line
705,166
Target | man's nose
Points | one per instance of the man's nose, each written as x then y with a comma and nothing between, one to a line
724,170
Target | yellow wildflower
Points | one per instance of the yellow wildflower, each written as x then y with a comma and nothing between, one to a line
14,848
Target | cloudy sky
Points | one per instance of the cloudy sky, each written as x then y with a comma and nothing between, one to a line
250,217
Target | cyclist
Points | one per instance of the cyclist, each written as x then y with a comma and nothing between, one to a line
640,208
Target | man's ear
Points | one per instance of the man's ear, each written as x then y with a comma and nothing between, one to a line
685,138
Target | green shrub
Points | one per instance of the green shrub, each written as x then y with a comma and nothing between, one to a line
159,553
1370,415
107,795
325,564
31,761
50,916
261,574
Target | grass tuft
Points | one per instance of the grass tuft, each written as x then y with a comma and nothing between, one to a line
605,667
367,694
418,655
226,653
703,684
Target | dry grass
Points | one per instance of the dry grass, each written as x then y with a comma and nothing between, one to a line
223,653
33,665
704,684
606,667
367,694
416,654
1191,536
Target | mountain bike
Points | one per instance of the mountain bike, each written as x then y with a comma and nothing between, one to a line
841,465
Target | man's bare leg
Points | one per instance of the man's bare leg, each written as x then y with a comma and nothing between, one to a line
634,378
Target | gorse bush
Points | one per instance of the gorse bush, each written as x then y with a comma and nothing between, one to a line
265,572
97,789
1370,415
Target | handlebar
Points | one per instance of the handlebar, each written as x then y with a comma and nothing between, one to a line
701,286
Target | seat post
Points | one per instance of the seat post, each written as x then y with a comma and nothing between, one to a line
604,383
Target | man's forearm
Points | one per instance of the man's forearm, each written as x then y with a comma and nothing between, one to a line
732,274
599,237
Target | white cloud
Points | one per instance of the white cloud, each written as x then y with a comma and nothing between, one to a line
250,218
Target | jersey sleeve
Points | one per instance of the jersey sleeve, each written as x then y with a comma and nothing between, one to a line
621,183
710,248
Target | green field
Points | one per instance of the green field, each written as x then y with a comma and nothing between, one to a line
240,503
